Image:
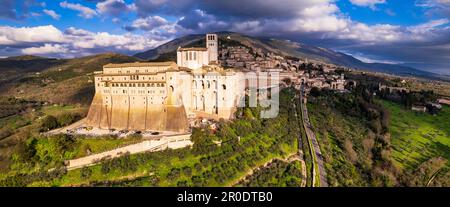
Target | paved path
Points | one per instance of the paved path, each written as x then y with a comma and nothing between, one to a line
301,156
172,142
312,137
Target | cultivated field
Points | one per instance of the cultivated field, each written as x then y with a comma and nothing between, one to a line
417,137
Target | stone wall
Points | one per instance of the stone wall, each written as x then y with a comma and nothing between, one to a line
125,113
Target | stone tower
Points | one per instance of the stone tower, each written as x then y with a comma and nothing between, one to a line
212,46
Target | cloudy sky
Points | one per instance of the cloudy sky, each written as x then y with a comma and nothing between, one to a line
411,32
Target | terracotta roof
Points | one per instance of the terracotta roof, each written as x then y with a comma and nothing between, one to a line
139,64
192,49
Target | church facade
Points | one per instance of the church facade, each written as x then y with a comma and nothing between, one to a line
162,96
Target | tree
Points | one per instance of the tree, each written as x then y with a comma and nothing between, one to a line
27,150
173,174
85,173
67,119
48,123
315,92
65,142
197,181
198,167
187,170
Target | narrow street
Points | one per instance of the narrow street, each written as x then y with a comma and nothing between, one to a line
318,158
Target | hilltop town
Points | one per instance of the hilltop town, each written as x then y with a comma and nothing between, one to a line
179,122
203,84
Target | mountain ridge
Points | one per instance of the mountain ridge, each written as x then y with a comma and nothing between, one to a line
284,47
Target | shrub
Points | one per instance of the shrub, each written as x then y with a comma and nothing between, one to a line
48,123
173,174
182,183
187,171
86,173
135,136
198,167
65,142
68,118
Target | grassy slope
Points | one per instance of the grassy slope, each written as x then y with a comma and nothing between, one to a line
417,137
331,128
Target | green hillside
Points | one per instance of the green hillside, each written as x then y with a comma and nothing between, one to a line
418,137
68,81
206,164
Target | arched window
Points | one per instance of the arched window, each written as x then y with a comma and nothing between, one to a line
224,87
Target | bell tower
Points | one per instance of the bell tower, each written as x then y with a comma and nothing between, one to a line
212,46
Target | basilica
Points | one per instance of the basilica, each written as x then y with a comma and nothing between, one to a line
162,96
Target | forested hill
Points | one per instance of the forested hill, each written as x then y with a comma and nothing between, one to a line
54,80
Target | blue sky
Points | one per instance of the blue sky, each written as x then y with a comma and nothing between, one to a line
410,32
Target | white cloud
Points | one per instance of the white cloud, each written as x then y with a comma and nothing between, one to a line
158,27
76,32
367,3
52,14
114,7
432,3
35,14
328,23
319,10
367,59
85,12
50,41
17,35
128,42
116,20
149,23
4,40
45,49
428,30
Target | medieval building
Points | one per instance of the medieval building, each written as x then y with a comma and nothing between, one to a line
162,96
